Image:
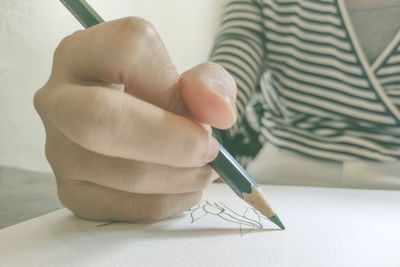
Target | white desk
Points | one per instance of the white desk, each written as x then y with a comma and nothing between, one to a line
325,227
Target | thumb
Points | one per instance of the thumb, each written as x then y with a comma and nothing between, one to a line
209,93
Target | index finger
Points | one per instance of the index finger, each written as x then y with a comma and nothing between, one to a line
116,124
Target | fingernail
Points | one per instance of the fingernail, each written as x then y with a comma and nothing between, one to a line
223,90
213,149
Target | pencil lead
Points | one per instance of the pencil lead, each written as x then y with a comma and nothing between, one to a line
275,219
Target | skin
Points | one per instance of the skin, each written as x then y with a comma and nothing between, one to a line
129,138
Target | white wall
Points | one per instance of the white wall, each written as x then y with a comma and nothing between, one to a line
29,32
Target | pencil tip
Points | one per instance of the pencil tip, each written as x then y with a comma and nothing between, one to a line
275,219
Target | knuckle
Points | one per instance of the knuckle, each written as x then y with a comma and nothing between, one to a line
51,155
64,54
64,158
65,195
39,101
133,40
66,43
74,196
137,26
132,33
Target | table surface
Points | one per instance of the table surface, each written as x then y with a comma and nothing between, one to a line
25,194
324,227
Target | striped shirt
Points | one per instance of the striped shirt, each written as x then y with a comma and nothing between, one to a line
305,84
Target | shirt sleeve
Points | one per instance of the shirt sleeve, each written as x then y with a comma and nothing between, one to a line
239,48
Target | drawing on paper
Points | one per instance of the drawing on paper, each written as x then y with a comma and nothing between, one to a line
105,224
250,220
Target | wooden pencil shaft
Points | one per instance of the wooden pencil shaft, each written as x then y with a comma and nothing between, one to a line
233,173
257,200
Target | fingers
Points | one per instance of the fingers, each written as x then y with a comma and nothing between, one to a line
100,203
124,51
115,124
209,93
130,154
132,54
77,163
146,178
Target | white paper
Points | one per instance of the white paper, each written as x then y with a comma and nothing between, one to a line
325,227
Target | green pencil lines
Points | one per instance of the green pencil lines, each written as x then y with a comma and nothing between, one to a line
105,224
250,218
259,218
248,221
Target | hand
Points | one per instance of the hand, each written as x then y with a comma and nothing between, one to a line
127,137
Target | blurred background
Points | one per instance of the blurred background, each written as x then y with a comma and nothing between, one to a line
31,30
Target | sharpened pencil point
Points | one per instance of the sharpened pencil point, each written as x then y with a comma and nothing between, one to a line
275,219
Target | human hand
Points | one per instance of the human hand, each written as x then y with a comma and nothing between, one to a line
127,137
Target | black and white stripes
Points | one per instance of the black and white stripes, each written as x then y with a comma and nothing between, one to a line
320,97
239,46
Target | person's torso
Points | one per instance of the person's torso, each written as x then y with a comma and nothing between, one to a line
331,85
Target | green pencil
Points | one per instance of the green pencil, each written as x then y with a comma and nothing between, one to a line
241,182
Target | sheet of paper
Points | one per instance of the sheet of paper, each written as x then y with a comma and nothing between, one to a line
325,227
